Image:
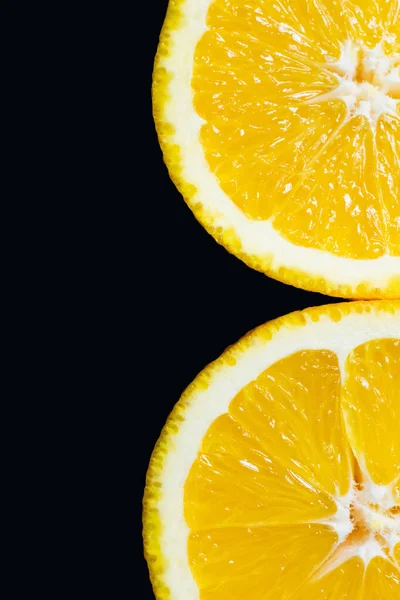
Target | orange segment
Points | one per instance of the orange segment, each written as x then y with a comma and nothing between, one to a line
302,28
244,486
349,220
388,145
262,469
373,21
342,583
293,410
259,164
261,563
372,409
382,581
330,21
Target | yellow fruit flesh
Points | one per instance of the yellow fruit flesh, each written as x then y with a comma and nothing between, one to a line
234,465
372,408
268,473
259,563
388,147
326,182
344,583
382,580
308,440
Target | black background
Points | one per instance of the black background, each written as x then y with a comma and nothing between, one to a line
206,298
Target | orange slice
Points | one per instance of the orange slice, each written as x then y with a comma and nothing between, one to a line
277,474
280,124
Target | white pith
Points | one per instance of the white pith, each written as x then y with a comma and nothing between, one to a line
207,404
258,238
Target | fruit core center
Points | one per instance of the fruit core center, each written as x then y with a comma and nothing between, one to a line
368,81
372,520
372,529
375,522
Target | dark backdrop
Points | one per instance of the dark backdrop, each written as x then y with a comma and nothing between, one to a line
204,298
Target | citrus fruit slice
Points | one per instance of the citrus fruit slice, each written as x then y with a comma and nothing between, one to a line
277,474
280,124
